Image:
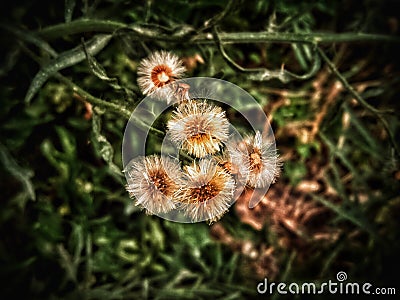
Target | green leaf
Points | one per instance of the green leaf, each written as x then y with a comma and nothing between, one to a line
295,171
65,60
98,70
155,235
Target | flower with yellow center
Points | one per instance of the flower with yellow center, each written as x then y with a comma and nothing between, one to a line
153,180
261,158
198,128
207,191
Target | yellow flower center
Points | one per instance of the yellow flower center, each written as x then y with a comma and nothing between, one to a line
255,160
161,182
204,193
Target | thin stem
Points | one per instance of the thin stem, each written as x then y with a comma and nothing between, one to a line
228,59
80,26
283,37
148,32
123,112
346,84
94,100
356,95
261,74
218,17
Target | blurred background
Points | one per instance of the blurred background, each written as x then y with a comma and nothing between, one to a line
68,84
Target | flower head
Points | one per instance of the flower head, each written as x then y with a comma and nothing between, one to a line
207,192
153,180
159,70
198,127
261,159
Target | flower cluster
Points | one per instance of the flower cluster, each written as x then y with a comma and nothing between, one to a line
205,187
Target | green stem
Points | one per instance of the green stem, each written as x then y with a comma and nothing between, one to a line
80,26
146,33
346,84
261,74
92,99
284,37
218,17
123,112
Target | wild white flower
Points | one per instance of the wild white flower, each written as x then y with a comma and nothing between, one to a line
207,192
153,180
198,127
157,72
261,158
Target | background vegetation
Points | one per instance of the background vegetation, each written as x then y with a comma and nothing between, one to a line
68,84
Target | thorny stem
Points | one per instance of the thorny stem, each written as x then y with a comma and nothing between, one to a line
155,33
356,95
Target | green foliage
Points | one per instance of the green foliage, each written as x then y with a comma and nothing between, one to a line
69,229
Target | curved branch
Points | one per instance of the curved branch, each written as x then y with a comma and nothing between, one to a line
263,74
150,32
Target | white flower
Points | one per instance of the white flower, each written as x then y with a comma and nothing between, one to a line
157,72
153,180
261,158
207,192
198,127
